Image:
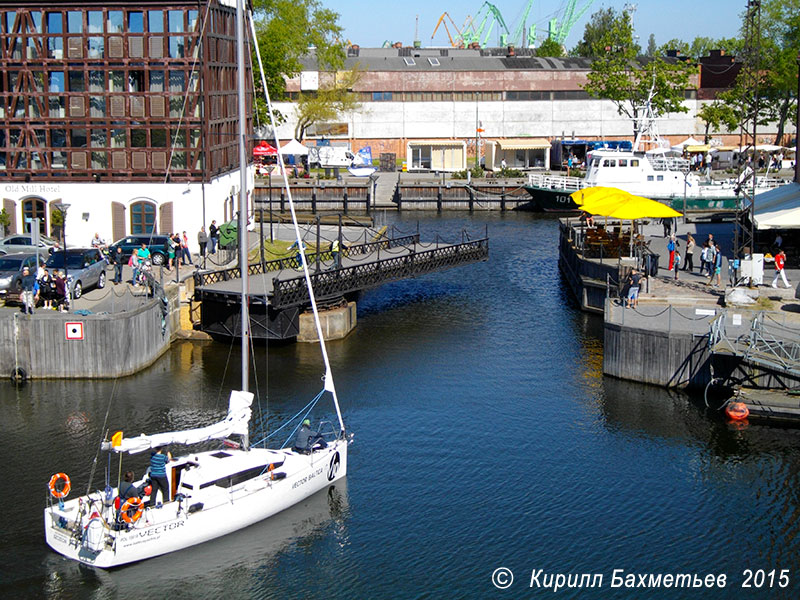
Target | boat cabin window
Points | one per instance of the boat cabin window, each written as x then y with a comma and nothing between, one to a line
649,178
634,162
659,178
609,162
623,162
237,478
596,162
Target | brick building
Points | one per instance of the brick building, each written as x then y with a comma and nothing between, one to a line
417,97
125,111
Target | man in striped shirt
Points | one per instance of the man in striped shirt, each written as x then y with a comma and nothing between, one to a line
158,475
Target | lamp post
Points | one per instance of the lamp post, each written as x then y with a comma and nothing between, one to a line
797,129
62,208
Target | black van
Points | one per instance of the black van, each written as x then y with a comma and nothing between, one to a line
155,243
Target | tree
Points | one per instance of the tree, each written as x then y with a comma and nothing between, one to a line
780,40
716,115
550,47
330,101
599,25
776,74
652,49
617,74
286,29
674,45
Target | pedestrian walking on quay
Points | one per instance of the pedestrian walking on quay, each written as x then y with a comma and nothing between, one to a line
717,266
672,245
202,241
213,235
117,260
30,290
186,256
689,258
780,263
634,280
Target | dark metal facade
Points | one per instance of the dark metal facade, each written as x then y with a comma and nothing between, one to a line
117,91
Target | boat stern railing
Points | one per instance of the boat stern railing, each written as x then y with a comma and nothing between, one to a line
556,182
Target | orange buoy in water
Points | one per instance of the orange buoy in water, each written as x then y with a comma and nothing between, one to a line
737,411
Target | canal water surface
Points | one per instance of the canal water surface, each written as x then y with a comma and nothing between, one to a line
485,436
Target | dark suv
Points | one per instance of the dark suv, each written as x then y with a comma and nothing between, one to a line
155,243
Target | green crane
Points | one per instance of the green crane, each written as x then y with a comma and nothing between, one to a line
520,31
559,33
492,11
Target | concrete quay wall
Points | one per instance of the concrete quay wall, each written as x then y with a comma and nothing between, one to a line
112,345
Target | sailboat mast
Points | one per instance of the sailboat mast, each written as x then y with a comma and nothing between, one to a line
242,192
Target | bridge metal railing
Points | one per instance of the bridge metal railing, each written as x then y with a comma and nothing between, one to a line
767,342
338,282
290,262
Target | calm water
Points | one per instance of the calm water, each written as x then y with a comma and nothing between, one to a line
486,436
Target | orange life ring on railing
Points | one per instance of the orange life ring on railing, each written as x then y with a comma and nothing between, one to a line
131,510
737,411
55,480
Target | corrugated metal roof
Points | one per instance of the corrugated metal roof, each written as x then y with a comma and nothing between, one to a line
450,59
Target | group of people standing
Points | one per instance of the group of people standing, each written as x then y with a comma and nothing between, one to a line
204,239
50,288
177,248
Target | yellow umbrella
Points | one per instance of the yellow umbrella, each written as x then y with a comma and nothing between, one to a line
611,202
594,193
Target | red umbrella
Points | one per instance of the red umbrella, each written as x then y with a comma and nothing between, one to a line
264,149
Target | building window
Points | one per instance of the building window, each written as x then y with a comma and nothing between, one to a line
155,21
381,96
135,22
143,218
115,21
34,208
74,22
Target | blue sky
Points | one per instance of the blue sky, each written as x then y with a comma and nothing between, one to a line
370,23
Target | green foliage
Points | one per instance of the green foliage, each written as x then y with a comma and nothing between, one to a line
328,102
474,172
716,115
550,48
618,75
286,29
5,218
595,35
508,172
652,49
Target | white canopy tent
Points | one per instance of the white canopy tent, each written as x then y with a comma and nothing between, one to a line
778,208
294,147
690,141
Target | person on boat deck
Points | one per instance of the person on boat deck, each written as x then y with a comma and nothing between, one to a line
126,488
158,475
306,439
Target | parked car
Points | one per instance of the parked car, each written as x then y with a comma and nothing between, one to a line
11,266
23,242
86,268
155,243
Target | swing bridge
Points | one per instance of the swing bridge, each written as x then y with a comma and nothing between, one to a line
277,289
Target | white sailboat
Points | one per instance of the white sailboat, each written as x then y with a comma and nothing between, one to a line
211,492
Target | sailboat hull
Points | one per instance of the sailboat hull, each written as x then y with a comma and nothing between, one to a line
88,535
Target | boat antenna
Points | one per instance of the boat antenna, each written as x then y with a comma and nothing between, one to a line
329,385
245,325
